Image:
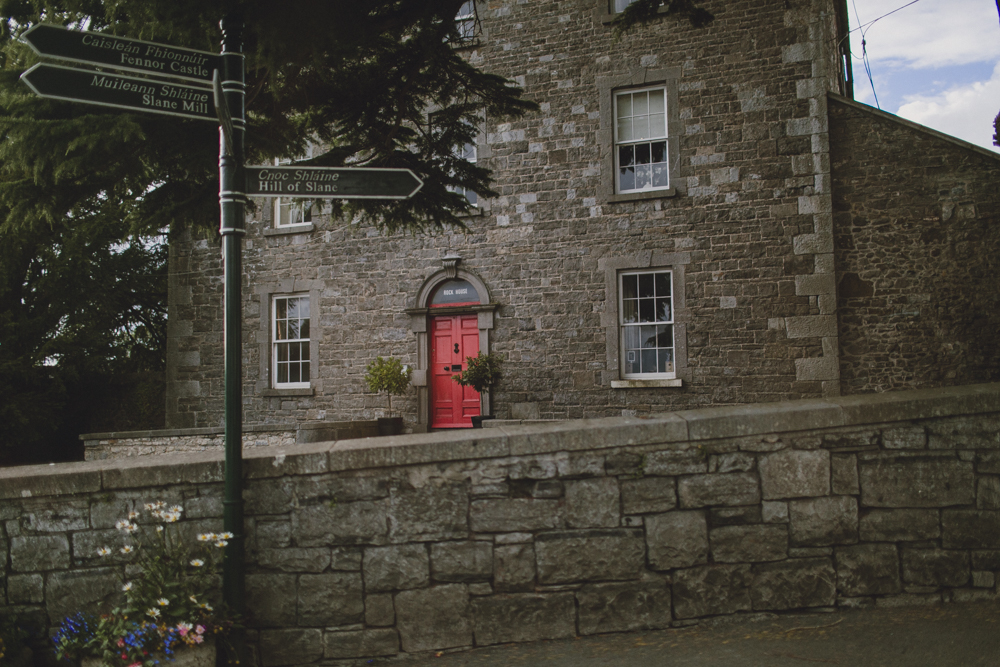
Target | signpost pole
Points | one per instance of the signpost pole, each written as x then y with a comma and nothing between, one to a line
232,198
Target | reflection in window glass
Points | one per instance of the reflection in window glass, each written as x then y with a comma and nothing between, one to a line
647,332
290,340
641,140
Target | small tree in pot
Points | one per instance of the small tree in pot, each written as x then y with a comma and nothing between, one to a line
483,373
393,378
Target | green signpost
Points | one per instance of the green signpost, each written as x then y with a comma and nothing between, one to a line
122,92
332,182
219,98
122,53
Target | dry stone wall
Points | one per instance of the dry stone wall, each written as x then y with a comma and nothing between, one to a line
427,542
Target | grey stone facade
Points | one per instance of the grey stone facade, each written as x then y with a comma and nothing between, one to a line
427,542
749,229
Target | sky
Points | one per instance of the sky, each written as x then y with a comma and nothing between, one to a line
935,62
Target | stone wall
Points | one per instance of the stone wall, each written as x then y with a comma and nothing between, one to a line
101,446
437,541
748,225
916,225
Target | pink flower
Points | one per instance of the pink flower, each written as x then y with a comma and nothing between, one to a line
200,629
198,639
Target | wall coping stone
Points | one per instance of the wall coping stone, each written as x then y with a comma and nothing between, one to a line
503,441
184,432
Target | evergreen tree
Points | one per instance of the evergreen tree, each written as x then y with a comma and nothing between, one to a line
87,194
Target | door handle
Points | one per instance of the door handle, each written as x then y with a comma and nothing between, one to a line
456,348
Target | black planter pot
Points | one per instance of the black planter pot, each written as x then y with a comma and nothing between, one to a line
477,421
390,425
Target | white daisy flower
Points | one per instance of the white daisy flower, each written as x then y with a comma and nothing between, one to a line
133,515
104,551
226,536
149,507
163,602
193,599
171,518
153,612
177,509
207,537
122,525
221,543
159,529
206,606
197,562
127,587
127,549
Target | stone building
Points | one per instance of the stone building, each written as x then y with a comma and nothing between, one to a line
694,217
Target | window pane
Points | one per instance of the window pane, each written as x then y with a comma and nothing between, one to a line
630,311
303,307
630,286
646,285
282,373
662,281
648,361
293,373
631,338
625,129
647,336
282,352
304,331
664,336
665,359
640,128
656,125
626,156
281,308
626,179
293,352
660,177
643,177
640,104
304,351
656,102
281,332
293,308
642,154
625,105
620,5
658,151
293,329
647,310
663,310
305,371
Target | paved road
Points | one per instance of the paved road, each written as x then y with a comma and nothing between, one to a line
963,634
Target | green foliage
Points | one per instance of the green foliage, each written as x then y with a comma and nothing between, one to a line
88,195
644,12
389,376
482,372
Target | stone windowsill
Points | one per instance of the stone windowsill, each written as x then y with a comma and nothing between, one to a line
290,229
305,391
646,384
642,196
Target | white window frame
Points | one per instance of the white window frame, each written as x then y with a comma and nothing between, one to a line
303,343
638,139
635,323
469,153
287,208
467,22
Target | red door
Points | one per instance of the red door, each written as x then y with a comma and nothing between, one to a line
453,338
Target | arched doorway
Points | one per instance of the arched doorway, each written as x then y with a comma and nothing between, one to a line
451,319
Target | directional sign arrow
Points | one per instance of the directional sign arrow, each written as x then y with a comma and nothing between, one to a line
121,92
332,182
94,48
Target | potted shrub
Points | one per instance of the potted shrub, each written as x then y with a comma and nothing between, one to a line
483,373
393,378
170,586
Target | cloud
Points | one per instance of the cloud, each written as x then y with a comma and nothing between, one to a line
966,112
930,33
